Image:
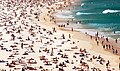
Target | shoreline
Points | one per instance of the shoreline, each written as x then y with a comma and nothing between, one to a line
64,21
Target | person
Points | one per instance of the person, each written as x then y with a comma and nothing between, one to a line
22,45
103,46
107,64
63,36
90,36
107,39
23,69
109,46
13,37
116,52
54,30
69,36
28,38
113,51
115,40
72,29
119,66
68,22
114,32
52,52
97,34
102,42
97,43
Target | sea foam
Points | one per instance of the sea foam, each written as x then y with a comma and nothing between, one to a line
110,11
64,14
82,4
79,13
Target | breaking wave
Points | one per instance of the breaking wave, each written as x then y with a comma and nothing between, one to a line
110,11
79,13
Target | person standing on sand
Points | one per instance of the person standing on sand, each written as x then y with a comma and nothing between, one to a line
72,29
116,52
102,42
115,40
97,34
113,51
106,46
51,52
107,39
90,36
97,42
28,38
63,36
69,36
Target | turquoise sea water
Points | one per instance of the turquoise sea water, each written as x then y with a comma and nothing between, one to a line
103,15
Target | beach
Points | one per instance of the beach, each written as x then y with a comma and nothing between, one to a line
31,39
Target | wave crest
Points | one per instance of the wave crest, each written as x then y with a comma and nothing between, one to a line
82,4
110,11
79,13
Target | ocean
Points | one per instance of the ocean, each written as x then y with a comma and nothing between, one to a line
99,15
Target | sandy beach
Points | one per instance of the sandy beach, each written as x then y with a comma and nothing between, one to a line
32,40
